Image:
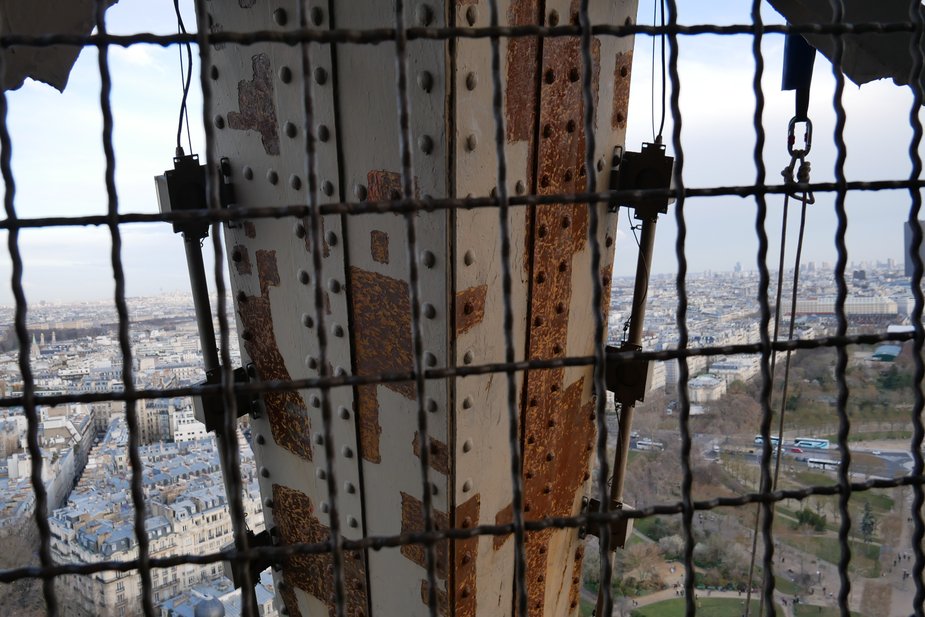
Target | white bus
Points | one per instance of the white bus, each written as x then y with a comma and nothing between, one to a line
823,463
811,442
759,440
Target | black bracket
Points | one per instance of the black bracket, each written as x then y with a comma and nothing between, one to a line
627,379
635,171
263,539
213,408
620,528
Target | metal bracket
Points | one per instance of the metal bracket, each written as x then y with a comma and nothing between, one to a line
636,171
627,379
210,409
620,528
265,538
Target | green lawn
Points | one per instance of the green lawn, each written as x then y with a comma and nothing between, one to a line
714,607
809,610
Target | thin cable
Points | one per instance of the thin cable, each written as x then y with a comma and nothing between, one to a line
661,126
186,81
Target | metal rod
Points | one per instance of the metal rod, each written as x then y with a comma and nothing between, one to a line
200,288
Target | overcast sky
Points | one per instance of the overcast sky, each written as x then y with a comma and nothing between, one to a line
59,166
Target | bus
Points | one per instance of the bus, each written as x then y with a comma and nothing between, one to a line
811,442
823,463
759,440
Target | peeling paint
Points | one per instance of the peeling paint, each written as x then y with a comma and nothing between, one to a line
297,524
465,557
379,246
505,516
470,307
621,89
439,453
383,185
520,88
381,315
412,521
241,259
286,410
257,105
441,597
249,229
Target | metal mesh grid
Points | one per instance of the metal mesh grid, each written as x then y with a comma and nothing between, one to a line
310,214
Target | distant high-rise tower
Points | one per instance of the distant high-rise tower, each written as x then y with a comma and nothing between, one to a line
907,253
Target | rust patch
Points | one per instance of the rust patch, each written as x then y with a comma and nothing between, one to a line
465,557
379,246
241,259
521,90
558,428
381,313
297,524
256,105
286,411
441,597
383,185
505,516
287,593
325,248
439,453
621,89
470,307
412,521
249,229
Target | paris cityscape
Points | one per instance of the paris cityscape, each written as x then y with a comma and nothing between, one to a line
86,471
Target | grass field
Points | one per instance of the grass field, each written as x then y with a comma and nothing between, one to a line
809,610
714,607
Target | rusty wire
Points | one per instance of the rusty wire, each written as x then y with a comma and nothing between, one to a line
408,205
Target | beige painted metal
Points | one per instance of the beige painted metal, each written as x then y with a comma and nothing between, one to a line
258,118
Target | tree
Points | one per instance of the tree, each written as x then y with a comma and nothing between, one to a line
868,523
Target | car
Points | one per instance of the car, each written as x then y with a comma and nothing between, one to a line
876,452
797,450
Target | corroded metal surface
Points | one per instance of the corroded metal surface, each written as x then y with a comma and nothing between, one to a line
412,520
621,89
465,560
439,453
257,105
470,307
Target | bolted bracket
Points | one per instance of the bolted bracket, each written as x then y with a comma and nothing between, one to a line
254,540
620,528
627,379
645,170
209,408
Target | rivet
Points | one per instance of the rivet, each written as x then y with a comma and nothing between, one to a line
550,456
264,472
280,17
347,452
334,286
549,76
426,144
321,474
291,130
321,76
261,440
285,74
307,320
428,259
468,258
304,277
352,522
327,187
248,173
319,439
242,296
272,177
324,133
213,72
312,362
560,308
600,165
553,18
314,401
472,15
295,182
471,142
566,222
331,238
429,311
425,81
520,188
268,502
349,488
541,278
317,16
337,330
339,371
467,403
218,121
468,308
537,321
430,359
467,486
344,413
544,181
431,405
236,255
547,130
563,266
246,335
570,126
471,81
541,232
360,192
573,74
299,230
468,357
433,489
608,241
325,507
425,14
467,445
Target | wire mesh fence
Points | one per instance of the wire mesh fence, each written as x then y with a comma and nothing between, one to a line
407,203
